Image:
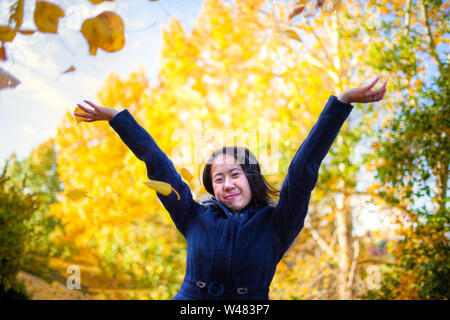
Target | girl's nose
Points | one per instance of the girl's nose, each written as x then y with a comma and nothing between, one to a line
229,185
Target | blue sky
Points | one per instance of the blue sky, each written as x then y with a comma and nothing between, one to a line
31,112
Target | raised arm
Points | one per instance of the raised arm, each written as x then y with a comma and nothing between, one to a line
159,166
303,171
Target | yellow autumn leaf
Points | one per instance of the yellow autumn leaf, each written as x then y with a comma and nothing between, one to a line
46,16
71,69
78,194
296,12
78,118
186,174
291,34
105,31
16,13
7,34
161,187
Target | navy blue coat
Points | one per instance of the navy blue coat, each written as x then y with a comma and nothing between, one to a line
234,255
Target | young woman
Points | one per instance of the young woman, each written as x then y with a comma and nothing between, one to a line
236,240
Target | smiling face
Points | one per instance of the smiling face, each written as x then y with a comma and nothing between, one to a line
230,183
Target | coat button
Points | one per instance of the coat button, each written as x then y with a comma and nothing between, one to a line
242,290
215,288
200,284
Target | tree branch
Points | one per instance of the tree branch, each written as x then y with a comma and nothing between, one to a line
432,45
316,236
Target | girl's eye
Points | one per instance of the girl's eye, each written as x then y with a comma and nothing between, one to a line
235,174
218,181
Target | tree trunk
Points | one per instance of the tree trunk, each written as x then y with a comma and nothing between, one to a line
345,251
441,188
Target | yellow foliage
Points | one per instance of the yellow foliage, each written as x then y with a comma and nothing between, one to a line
231,74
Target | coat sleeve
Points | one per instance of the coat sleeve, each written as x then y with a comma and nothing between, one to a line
159,167
302,175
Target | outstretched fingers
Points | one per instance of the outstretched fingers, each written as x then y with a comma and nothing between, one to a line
381,92
372,84
84,108
93,105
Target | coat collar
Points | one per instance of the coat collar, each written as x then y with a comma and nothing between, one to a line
229,212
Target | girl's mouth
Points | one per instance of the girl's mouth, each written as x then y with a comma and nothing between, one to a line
232,196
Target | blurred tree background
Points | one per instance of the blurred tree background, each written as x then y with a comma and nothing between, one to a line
280,61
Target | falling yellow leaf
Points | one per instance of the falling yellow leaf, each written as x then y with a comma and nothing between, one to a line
16,13
161,187
291,34
296,11
78,194
7,34
46,16
71,69
186,174
105,31
78,118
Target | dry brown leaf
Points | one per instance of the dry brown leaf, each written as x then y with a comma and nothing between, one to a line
296,11
7,80
71,69
3,53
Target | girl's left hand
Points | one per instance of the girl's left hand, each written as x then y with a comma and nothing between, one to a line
96,114
364,94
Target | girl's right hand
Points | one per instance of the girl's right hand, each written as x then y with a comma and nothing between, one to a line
99,113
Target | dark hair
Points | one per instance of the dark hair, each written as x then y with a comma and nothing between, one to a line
260,188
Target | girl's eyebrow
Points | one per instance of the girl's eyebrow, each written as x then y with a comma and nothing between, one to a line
236,168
